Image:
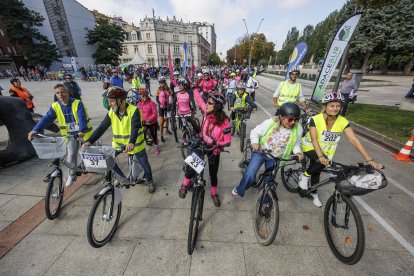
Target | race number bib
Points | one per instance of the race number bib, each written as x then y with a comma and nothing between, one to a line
73,127
239,101
330,137
94,160
195,162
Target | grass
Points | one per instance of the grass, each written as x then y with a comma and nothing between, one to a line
387,120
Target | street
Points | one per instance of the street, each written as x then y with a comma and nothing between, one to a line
152,235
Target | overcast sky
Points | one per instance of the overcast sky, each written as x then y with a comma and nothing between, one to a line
279,15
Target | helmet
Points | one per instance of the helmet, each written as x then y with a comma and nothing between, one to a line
116,92
237,71
294,69
199,75
217,97
142,91
182,81
13,80
162,79
176,73
206,71
241,86
289,109
333,97
232,75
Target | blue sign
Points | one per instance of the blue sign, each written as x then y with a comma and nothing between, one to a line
297,56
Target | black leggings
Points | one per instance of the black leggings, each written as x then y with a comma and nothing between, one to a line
153,130
315,167
213,166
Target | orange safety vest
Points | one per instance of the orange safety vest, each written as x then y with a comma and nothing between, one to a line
25,95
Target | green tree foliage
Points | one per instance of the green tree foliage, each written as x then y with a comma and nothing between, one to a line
288,46
261,50
109,38
21,31
214,59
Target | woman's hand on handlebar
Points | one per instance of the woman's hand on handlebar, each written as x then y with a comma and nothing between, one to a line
255,146
31,135
375,165
129,147
87,144
299,156
324,161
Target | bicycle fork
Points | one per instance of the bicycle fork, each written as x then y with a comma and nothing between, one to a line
337,200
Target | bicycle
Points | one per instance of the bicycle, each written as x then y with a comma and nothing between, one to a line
147,133
198,149
54,148
266,211
340,209
106,210
239,123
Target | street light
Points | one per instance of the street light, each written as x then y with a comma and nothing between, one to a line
250,40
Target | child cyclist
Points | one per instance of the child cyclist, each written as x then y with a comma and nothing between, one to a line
149,115
183,103
215,121
163,96
319,145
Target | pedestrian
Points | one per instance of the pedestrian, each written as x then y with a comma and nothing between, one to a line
23,72
72,87
348,90
115,80
410,94
21,92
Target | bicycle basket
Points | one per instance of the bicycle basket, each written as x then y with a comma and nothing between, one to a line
244,114
363,183
49,147
98,159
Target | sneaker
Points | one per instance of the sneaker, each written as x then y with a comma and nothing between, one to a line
216,200
234,192
162,139
157,150
182,191
151,187
70,180
316,200
303,182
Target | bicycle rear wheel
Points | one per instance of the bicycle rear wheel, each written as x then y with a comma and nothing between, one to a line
247,155
195,218
266,217
344,229
242,135
103,219
54,197
290,175
174,129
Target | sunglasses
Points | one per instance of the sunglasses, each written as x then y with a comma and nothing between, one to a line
292,119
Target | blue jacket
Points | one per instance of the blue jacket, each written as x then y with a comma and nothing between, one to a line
116,81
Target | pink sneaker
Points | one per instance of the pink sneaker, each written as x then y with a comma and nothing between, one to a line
157,150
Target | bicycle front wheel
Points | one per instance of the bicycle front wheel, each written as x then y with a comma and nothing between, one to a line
344,229
266,217
247,155
195,218
103,219
54,197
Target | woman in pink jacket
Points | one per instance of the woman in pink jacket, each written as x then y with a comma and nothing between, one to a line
163,99
149,115
215,121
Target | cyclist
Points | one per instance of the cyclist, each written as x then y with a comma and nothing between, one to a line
149,115
125,121
174,82
198,80
281,134
241,100
72,118
251,85
207,85
238,76
214,123
163,99
290,91
320,143
17,90
183,103
135,84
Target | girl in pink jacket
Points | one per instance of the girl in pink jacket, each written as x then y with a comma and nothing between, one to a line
149,115
215,121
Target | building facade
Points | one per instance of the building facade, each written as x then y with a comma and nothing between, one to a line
208,32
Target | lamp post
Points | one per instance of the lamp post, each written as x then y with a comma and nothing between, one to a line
250,40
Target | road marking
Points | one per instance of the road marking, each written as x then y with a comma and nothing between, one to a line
259,105
401,187
387,227
375,215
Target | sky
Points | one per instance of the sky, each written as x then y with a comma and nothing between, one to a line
279,16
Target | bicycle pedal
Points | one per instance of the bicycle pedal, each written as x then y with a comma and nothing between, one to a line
302,192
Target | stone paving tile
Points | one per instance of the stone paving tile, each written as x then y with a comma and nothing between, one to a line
4,198
79,258
239,230
34,255
217,258
73,222
4,224
159,257
17,206
167,177
229,164
167,197
30,168
408,259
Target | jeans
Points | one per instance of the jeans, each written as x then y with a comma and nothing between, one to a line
345,104
72,157
140,159
249,176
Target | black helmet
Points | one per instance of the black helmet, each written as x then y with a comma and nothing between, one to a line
14,80
289,110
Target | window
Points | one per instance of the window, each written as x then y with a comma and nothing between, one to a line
189,38
175,37
56,9
206,35
161,36
65,40
146,25
125,49
162,49
1,32
8,49
149,49
1,51
189,50
176,49
148,36
135,48
134,36
14,50
61,25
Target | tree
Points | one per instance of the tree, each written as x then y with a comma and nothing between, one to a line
109,38
214,59
21,31
288,45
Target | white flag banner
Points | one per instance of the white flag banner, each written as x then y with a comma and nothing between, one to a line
342,38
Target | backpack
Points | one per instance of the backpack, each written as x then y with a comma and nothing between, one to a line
105,102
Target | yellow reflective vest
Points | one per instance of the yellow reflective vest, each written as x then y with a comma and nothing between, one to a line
66,129
121,130
240,102
135,84
286,94
327,140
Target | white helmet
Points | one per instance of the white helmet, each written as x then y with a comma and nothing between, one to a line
206,71
176,73
199,75
333,97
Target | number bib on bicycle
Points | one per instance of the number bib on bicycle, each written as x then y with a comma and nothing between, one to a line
195,162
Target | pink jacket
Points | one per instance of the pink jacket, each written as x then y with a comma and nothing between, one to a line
209,130
208,85
149,111
164,97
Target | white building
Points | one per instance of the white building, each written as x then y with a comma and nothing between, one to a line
208,32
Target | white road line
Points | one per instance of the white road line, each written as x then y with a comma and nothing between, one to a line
387,227
374,214
401,187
